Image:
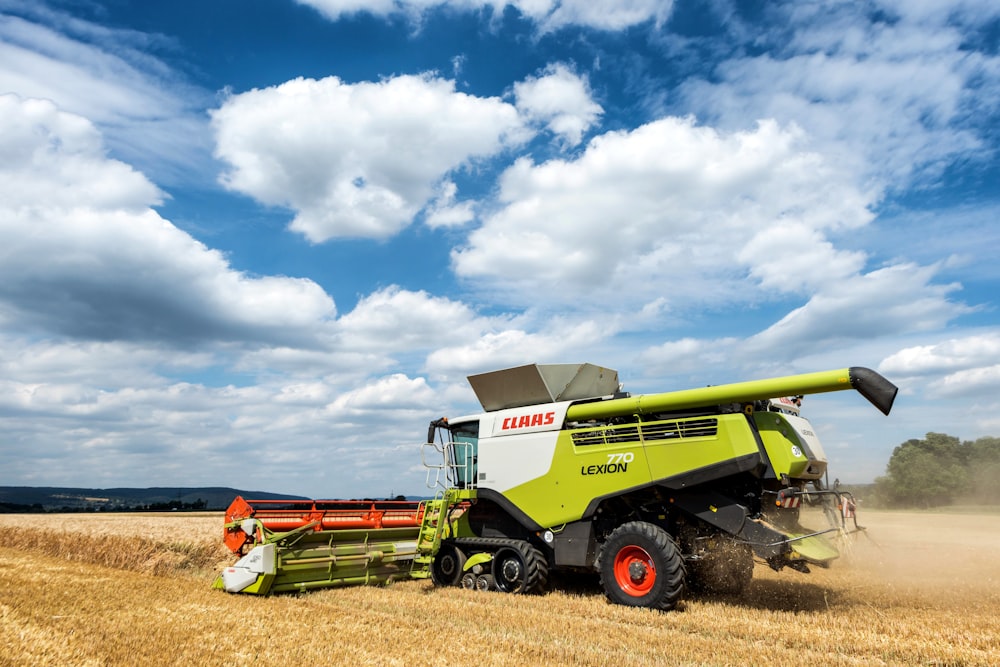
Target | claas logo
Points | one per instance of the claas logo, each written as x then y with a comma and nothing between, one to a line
526,421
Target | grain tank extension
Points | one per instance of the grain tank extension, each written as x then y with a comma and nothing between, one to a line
658,493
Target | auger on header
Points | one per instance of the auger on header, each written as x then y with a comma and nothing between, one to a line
657,493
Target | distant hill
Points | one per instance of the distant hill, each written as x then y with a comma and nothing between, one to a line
52,498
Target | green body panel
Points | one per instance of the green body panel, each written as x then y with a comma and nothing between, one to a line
779,440
701,448
459,527
591,463
477,559
562,495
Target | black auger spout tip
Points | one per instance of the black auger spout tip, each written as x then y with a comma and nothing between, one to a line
880,392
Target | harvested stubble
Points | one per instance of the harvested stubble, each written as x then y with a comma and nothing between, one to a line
926,594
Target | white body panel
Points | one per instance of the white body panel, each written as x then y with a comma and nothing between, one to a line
518,445
805,432
529,419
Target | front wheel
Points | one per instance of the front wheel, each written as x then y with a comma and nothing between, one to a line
641,566
446,569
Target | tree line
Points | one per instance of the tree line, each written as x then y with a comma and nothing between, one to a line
169,506
941,470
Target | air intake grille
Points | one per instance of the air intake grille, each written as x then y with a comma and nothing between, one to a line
669,430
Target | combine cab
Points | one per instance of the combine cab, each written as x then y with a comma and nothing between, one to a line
657,493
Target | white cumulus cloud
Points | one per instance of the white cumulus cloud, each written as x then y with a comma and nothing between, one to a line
356,160
896,98
561,100
86,256
393,319
953,354
549,14
890,301
671,210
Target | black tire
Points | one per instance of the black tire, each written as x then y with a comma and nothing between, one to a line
520,569
725,570
446,570
641,566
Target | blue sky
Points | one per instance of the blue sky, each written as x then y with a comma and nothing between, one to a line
262,244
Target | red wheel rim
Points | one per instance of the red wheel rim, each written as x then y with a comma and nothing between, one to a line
634,571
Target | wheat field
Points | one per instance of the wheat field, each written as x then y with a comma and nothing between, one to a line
126,589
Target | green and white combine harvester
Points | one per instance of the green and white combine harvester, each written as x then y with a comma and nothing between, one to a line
658,493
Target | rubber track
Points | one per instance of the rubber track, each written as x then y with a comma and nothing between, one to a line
535,565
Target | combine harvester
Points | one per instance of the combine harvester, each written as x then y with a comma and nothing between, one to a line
658,493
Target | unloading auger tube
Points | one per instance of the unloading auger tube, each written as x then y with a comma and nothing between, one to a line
879,391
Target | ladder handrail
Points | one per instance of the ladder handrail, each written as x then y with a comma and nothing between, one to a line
452,468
